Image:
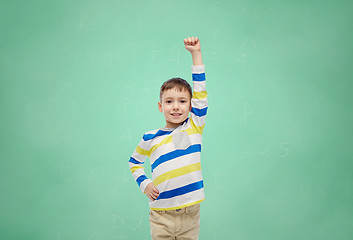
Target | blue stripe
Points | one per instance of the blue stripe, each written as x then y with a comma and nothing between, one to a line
199,112
175,154
140,179
182,190
134,161
198,77
147,137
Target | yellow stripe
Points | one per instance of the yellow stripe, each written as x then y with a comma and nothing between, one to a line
165,141
176,173
133,169
182,206
199,95
194,128
141,151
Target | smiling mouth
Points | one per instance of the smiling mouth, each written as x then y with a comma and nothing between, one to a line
176,114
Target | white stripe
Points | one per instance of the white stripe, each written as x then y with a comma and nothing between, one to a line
167,148
199,86
200,104
139,172
199,121
152,132
176,163
138,157
144,144
198,69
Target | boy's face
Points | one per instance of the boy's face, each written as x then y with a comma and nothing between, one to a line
175,107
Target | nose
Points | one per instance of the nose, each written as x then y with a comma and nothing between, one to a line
175,106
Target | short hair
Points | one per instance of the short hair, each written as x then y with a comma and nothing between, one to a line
178,83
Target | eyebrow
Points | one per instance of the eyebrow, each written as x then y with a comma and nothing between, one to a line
173,98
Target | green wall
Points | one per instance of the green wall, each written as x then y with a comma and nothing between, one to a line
79,85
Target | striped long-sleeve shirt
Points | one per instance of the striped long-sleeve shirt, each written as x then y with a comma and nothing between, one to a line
174,155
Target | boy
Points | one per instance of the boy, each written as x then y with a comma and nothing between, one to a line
174,151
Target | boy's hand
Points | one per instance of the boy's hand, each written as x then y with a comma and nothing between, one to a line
192,44
152,192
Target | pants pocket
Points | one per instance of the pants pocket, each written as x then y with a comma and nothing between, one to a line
155,215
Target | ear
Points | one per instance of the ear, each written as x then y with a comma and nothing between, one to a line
160,107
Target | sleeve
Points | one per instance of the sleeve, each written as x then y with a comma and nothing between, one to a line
136,162
199,101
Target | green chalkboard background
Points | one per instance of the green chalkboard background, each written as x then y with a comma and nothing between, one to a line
79,85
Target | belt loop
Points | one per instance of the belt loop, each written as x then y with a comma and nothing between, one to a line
187,209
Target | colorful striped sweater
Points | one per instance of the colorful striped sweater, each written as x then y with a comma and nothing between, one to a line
174,155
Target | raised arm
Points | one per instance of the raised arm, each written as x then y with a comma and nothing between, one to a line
199,101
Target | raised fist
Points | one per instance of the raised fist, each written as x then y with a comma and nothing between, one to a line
192,44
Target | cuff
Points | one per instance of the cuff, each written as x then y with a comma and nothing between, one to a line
198,69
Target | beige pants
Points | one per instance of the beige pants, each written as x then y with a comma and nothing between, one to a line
183,224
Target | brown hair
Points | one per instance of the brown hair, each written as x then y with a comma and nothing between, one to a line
178,83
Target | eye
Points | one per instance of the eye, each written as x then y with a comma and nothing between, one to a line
183,101
168,101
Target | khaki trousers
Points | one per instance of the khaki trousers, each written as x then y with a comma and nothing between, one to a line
180,224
